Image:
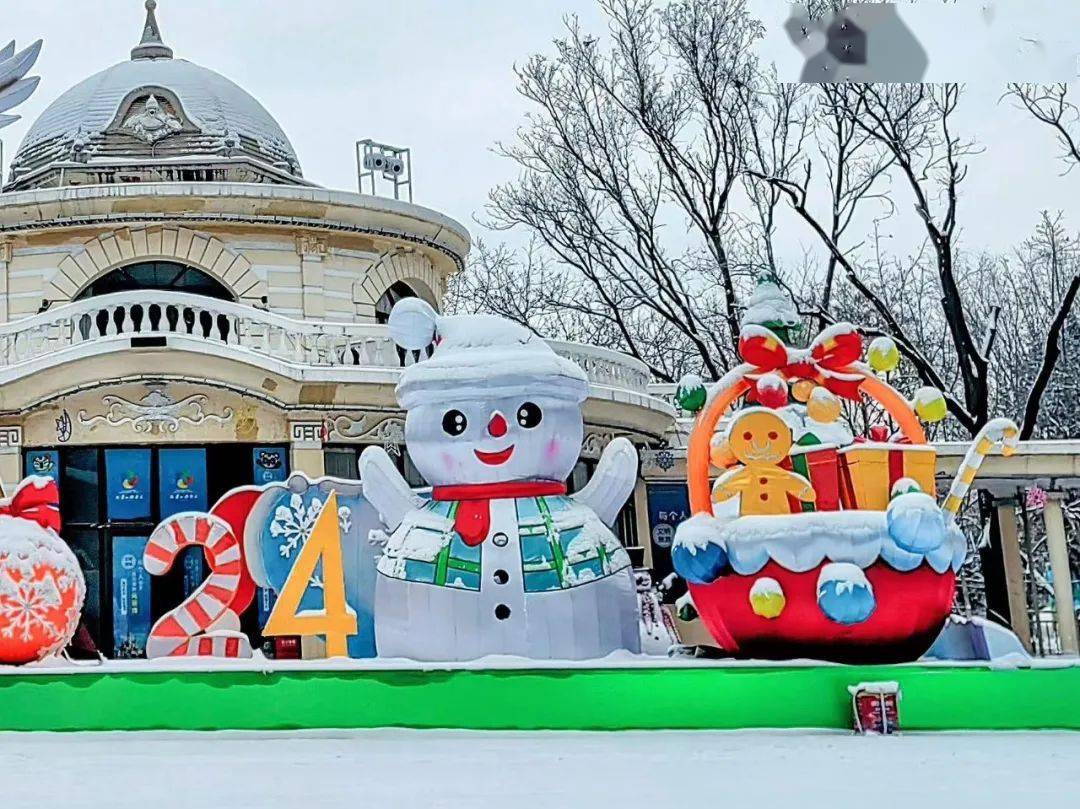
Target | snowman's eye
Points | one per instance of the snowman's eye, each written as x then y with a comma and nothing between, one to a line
529,415
454,422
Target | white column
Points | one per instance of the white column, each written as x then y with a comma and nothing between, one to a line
306,448
1014,571
1057,544
641,515
11,439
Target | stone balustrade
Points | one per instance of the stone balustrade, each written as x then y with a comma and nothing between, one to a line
148,319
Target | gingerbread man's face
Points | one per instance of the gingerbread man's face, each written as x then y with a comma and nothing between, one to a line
759,436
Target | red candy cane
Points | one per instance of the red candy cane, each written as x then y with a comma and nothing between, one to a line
207,624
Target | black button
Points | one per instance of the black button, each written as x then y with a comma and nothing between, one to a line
502,612
501,577
500,540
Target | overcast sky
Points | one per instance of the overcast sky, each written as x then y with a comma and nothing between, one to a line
437,76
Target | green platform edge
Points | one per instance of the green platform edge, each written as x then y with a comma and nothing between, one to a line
717,698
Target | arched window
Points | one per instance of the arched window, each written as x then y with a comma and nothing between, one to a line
164,275
398,292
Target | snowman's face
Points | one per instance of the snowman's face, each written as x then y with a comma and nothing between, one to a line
494,441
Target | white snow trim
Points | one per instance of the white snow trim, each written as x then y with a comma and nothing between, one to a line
882,687
689,382
697,533
801,542
846,575
26,545
888,445
766,586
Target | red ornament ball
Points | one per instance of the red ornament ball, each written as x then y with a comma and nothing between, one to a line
41,592
771,391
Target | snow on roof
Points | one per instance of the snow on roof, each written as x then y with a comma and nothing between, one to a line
213,103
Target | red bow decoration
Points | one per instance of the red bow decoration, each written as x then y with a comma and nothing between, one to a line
37,499
827,362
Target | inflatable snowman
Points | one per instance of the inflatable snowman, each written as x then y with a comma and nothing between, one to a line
499,560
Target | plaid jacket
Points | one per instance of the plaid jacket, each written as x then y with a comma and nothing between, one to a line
563,545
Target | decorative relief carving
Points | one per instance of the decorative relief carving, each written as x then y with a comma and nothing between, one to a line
370,428
156,412
153,122
311,247
657,461
308,434
594,443
11,437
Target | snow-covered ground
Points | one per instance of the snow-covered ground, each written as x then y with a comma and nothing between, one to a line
524,770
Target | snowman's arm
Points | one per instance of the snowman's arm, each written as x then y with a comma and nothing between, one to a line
385,488
613,482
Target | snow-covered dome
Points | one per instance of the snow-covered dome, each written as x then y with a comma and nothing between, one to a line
154,118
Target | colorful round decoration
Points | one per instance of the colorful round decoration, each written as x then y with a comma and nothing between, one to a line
802,390
883,355
41,592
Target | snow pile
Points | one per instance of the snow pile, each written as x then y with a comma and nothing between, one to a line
768,304
25,545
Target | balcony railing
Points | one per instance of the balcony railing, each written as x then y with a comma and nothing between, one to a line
155,314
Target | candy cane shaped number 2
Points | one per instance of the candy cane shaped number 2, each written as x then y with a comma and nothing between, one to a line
207,623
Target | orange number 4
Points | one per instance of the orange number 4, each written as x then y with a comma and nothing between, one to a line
336,620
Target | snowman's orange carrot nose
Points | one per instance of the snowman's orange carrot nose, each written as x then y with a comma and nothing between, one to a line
497,426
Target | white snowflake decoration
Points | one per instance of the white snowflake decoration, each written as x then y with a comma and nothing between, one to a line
26,605
292,526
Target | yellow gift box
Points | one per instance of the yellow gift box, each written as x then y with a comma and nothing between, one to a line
869,470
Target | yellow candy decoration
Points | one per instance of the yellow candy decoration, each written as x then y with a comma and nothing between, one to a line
883,355
767,598
803,390
930,405
824,406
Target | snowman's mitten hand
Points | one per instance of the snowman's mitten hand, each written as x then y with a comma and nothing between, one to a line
385,488
612,483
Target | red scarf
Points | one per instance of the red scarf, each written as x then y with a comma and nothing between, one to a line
473,517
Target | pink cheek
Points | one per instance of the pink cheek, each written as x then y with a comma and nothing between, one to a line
449,464
553,450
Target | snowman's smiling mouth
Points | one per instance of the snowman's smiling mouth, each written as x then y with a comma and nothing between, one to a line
495,458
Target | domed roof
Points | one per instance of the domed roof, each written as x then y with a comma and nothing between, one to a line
155,108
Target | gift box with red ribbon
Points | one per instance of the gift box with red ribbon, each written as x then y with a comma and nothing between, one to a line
868,471
875,707
820,464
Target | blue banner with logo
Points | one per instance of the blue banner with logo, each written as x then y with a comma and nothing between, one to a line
269,465
131,598
266,598
182,481
669,505
127,486
44,463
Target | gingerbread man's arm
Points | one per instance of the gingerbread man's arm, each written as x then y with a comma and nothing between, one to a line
799,487
731,483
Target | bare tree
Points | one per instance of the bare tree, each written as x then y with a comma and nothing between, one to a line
628,166
1051,105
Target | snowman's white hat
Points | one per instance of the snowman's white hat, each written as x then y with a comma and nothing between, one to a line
477,356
